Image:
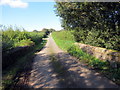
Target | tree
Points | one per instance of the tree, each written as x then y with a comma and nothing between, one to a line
97,15
35,31
46,31
51,30
95,23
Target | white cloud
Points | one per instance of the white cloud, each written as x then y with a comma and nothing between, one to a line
14,3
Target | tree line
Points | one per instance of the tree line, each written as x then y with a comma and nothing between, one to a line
95,23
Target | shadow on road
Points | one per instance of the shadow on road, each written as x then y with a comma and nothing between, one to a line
62,71
77,75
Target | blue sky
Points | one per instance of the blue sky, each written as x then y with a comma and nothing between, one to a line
36,15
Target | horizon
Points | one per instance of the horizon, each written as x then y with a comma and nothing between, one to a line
30,16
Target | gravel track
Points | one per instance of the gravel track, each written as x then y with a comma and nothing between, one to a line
76,74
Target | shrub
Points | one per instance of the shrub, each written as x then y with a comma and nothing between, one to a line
99,38
26,42
13,38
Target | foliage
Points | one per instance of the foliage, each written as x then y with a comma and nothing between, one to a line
35,37
93,23
47,31
27,42
13,38
88,15
11,75
16,43
92,62
98,38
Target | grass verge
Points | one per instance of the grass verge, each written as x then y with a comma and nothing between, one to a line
67,44
63,39
11,74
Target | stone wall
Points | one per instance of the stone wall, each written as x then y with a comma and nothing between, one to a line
101,53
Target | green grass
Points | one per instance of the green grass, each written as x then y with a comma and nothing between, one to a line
65,41
86,58
10,73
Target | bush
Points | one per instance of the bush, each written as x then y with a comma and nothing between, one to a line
16,43
13,38
99,38
35,36
26,42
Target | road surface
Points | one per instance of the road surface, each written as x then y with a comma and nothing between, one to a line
76,75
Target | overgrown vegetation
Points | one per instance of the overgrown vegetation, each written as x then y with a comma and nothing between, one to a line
14,38
94,23
17,43
13,63
92,62
11,75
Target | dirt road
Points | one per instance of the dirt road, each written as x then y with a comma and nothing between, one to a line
75,74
